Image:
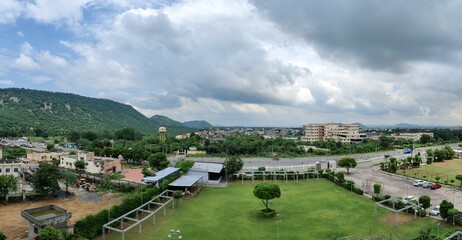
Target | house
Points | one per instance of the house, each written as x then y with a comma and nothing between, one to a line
96,165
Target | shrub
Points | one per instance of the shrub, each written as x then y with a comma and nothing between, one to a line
268,213
452,215
358,191
262,169
2,236
425,201
50,233
444,207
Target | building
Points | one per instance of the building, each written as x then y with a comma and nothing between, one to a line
161,176
49,215
96,165
346,133
415,136
42,156
211,173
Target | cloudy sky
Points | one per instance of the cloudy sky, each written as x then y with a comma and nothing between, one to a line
244,62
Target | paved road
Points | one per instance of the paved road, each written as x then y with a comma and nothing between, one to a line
399,186
254,162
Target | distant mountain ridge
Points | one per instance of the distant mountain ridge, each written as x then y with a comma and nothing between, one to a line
199,124
166,121
25,111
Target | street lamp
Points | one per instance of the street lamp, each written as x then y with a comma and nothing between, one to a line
175,234
277,224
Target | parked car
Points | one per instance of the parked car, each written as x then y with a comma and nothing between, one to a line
435,211
408,199
435,186
427,184
418,183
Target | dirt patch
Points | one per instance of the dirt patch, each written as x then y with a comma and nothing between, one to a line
402,218
14,226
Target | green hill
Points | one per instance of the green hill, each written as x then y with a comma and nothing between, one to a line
198,124
23,111
166,121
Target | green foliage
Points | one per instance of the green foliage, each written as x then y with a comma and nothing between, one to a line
45,180
347,162
2,236
425,138
68,178
7,184
266,191
459,177
233,164
452,215
178,194
185,165
444,208
57,113
425,201
50,233
377,189
146,172
13,152
158,161
79,165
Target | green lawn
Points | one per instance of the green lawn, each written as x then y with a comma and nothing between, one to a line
314,209
446,170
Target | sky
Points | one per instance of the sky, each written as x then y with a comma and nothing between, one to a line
244,62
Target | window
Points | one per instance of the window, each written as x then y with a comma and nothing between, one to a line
7,170
0,170
16,170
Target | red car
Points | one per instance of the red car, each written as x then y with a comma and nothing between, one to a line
435,186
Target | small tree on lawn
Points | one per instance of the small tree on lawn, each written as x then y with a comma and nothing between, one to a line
459,177
347,162
265,192
437,178
425,201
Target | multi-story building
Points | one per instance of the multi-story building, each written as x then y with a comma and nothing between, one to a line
42,156
415,136
346,133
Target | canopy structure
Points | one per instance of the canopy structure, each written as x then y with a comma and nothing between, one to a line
186,181
160,175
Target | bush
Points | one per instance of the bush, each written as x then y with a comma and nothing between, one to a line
425,201
270,213
358,191
452,215
50,233
2,236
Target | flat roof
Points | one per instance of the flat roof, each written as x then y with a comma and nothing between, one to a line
161,174
185,181
207,167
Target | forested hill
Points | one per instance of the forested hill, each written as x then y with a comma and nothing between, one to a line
25,111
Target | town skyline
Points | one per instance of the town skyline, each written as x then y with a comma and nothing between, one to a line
244,63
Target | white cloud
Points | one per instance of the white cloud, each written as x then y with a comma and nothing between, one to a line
249,108
10,10
50,11
25,62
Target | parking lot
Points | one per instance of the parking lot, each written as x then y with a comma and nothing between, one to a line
399,186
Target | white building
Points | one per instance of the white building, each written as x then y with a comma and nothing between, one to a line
96,165
346,133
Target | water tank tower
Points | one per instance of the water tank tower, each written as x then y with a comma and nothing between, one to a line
162,133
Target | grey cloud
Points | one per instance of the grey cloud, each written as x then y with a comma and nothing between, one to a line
385,35
157,101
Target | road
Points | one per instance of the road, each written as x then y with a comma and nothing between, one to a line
255,162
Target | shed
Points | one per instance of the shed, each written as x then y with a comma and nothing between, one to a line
161,175
211,172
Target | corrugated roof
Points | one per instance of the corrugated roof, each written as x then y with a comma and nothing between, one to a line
207,167
185,181
161,174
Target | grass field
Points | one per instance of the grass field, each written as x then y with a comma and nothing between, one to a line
315,209
446,170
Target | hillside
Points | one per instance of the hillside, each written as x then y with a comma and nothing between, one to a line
166,122
198,124
24,111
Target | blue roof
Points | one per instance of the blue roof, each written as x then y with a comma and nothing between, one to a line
161,174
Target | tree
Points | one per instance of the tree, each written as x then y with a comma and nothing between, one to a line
265,192
377,188
233,165
425,201
2,236
347,162
79,166
50,233
459,177
158,161
68,178
444,208
45,180
7,183
425,138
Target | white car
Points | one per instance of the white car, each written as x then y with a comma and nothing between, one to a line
426,184
418,183
408,199
435,211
